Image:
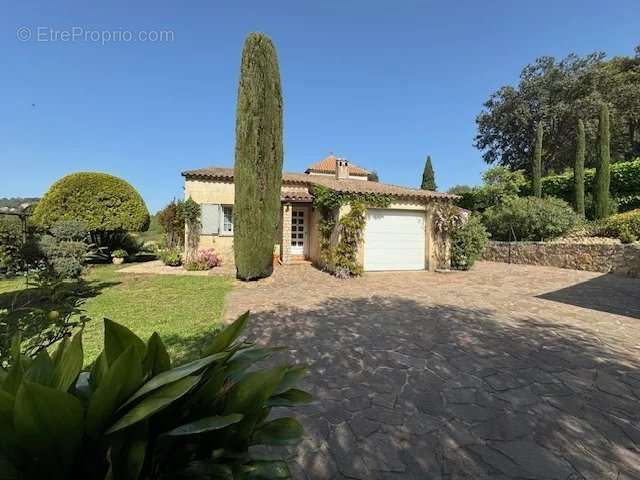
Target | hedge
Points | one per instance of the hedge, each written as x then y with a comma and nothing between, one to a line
101,201
625,184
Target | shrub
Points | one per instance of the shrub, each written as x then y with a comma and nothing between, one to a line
626,224
43,314
171,257
10,246
133,416
64,250
104,203
467,243
258,158
120,253
499,183
529,218
625,184
204,260
626,235
172,223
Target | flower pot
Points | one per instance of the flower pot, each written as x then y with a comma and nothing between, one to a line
117,260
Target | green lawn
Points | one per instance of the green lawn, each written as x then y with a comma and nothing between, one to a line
184,310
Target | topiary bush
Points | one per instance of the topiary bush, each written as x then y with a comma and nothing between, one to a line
134,416
467,243
529,218
623,224
104,203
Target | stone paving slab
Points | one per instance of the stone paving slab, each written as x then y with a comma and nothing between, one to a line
467,375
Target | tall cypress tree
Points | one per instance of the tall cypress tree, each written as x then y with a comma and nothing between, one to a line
578,169
536,167
428,177
602,178
258,159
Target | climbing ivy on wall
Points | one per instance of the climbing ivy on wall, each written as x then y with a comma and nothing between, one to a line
341,260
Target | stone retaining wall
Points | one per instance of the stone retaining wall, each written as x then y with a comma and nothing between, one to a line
595,257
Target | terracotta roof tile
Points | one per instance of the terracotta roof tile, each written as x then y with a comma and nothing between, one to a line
328,165
356,186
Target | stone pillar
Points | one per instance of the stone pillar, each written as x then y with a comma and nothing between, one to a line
285,249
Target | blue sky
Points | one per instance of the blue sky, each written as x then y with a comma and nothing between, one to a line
380,83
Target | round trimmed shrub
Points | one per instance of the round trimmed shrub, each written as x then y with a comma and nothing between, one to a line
100,201
468,243
529,218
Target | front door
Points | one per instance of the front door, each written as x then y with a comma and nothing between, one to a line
298,230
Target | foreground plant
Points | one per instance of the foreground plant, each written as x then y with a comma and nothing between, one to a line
134,417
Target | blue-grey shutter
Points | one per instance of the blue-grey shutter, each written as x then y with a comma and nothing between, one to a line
210,218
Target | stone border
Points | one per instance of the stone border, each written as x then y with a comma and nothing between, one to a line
594,257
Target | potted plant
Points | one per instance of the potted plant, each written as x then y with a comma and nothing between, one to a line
118,256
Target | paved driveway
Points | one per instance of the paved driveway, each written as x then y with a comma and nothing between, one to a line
503,372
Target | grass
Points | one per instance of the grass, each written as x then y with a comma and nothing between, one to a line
184,310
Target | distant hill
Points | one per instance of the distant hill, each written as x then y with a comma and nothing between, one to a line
17,201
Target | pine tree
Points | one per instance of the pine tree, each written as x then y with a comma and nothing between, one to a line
536,167
602,178
428,177
578,169
258,159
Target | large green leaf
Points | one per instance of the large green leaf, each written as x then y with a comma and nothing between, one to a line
157,359
242,360
252,391
117,338
128,452
206,424
230,333
12,381
263,470
49,425
41,369
205,469
98,371
68,361
122,379
291,398
7,431
293,376
281,431
174,374
156,401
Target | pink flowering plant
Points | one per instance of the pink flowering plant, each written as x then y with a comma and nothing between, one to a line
204,260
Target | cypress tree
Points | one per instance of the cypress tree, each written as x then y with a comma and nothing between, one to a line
602,177
428,177
578,169
258,159
536,167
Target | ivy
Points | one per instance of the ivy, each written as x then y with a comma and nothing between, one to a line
342,259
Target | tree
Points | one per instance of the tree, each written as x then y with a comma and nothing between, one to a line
258,159
602,178
428,177
536,167
560,91
578,169
107,205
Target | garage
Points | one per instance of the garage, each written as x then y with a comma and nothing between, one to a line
394,240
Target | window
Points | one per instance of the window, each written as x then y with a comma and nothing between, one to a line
227,220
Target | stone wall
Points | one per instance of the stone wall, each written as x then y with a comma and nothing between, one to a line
595,257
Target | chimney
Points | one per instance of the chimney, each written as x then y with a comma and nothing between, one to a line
342,169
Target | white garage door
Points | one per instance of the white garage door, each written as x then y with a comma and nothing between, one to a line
394,240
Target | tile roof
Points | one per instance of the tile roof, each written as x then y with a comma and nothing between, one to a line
355,186
328,165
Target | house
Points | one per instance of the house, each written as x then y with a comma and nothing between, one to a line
399,237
